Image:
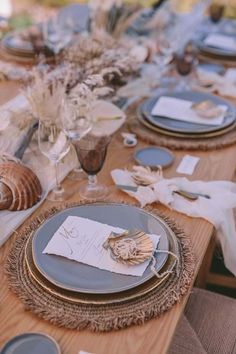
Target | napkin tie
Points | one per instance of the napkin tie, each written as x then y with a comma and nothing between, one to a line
170,271
217,209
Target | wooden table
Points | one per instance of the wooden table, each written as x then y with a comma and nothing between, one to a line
155,336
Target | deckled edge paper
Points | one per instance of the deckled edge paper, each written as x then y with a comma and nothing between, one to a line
221,41
180,109
81,239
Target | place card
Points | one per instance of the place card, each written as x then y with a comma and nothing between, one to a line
221,41
179,109
82,239
188,164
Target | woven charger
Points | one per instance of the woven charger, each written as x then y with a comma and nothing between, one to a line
177,143
97,317
216,60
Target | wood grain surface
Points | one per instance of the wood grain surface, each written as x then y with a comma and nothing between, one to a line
155,336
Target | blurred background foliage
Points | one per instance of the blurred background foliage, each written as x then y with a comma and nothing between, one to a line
25,11
185,5
182,5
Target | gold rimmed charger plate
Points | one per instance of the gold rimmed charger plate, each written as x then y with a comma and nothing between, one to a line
4,54
215,59
143,121
102,299
217,56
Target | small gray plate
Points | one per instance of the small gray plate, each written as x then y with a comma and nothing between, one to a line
79,277
31,343
179,126
154,156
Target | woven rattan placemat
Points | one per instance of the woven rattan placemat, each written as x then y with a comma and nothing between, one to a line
92,316
176,143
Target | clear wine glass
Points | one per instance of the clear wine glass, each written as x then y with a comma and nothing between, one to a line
54,144
77,123
91,151
167,47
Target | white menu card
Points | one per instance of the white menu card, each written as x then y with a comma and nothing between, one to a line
82,239
179,109
221,41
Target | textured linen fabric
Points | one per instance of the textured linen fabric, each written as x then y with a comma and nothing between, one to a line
213,318
208,325
185,340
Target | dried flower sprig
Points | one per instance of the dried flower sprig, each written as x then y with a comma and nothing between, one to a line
45,96
100,54
112,15
85,93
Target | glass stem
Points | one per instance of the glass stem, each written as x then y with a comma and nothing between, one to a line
58,185
92,181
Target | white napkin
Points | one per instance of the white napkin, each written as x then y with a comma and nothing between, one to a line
16,104
224,85
81,240
11,220
221,41
107,111
218,209
178,109
230,75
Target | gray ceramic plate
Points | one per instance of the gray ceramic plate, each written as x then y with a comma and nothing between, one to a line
31,343
214,50
179,126
154,156
75,276
213,68
15,43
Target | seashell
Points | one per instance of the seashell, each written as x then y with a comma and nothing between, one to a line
207,109
130,247
20,188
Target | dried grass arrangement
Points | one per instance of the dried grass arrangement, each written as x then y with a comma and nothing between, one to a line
45,96
113,16
99,53
49,90
89,90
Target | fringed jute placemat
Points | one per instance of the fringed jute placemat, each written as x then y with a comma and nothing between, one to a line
93,316
176,143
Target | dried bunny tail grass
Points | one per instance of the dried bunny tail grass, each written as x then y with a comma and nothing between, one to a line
45,96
